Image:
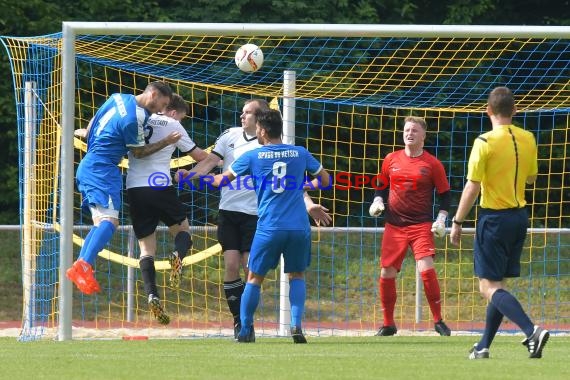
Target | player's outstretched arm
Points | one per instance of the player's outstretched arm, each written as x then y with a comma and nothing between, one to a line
82,133
321,180
198,154
223,179
318,212
148,149
206,165
182,176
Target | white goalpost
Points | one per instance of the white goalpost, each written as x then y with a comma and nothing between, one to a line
29,254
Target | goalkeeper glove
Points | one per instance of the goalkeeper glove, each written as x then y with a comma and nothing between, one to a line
377,207
438,227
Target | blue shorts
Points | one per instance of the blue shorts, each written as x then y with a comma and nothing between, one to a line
499,241
268,245
99,184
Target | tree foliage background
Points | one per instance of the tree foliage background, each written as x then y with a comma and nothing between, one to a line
38,17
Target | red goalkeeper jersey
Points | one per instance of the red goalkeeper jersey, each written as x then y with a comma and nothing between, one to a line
411,184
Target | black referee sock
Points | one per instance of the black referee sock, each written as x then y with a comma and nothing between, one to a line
234,290
182,243
148,272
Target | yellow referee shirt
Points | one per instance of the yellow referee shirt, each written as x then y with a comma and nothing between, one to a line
501,160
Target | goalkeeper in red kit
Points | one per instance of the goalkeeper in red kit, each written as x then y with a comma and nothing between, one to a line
411,175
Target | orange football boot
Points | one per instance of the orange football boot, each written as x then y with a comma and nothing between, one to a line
81,274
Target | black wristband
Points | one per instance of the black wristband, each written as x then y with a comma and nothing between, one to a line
456,221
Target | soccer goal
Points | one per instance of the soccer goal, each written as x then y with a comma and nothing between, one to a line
353,85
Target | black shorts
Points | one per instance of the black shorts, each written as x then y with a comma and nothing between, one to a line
236,230
148,206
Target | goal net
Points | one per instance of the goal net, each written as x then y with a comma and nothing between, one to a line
354,84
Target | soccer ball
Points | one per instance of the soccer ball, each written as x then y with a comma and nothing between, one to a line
249,58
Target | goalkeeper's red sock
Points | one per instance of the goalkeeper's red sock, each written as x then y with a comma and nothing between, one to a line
431,289
388,298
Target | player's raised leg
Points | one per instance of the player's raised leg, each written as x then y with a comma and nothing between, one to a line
182,243
82,273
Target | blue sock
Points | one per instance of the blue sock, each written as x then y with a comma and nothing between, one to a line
492,323
101,236
86,242
510,307
297,296
249,302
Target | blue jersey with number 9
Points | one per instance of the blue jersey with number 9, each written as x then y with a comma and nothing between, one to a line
278,172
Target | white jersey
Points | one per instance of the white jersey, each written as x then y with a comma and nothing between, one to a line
231,144
142,169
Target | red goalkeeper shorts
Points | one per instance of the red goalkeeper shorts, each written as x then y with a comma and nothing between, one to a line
396,241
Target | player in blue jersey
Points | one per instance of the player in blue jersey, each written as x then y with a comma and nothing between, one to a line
116,128
278,172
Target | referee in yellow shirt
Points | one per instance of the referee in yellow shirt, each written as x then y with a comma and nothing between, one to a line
501,163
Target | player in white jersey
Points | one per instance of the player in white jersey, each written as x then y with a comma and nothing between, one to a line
237,218
116,128
152,198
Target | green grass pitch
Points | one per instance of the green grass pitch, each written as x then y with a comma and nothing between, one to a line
399,357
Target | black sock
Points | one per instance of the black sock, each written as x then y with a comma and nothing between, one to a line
148,272
511,308
182,243
234,290
492,323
